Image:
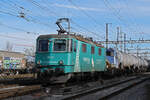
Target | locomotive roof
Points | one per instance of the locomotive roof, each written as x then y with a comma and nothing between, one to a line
78,37
110,49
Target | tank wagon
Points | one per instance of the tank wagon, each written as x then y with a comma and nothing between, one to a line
68,56
124,61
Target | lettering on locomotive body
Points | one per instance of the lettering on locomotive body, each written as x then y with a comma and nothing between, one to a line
77,65
93,69
87,60
50,57
98,61
46,62
69,59
52,62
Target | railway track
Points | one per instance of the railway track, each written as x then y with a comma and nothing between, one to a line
87,91
21,79
19,76
16,90
105,91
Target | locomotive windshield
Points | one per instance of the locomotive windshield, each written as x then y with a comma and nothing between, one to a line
109,53
43,45
59,45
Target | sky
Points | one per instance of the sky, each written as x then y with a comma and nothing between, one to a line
22,21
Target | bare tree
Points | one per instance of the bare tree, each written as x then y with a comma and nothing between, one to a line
30,57
30,51
9,46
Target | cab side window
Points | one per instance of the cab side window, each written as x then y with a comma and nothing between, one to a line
99,51
43,45
75,48
92,50
69,45
83,47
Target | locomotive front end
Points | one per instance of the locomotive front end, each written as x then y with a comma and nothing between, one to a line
54,55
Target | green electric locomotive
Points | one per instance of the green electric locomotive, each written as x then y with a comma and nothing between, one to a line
62,57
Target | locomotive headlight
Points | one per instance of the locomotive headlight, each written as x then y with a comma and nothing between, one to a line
38,62
60,62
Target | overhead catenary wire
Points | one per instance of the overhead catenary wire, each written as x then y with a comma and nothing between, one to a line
48,10
25,16
85,13
132,16
129,14
16,38
117,15
91,32
92,18
8,13
78,31
73,22
19,29
10,3
33,20
3,8
43,8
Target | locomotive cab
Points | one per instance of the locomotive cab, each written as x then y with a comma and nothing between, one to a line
55,54
110,56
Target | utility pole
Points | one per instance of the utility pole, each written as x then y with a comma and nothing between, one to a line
69,28
125,43
107,34
121,39
137,54
117,38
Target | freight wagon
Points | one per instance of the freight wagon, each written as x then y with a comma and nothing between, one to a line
12,61
120,60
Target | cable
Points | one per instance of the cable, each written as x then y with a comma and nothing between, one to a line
13,37
30,18
116,13
25,16
19,29
85,13
73,21
8,13
43,7
27,19
47,9
131,15
79,31
10,4
130,18
89,16
86,29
